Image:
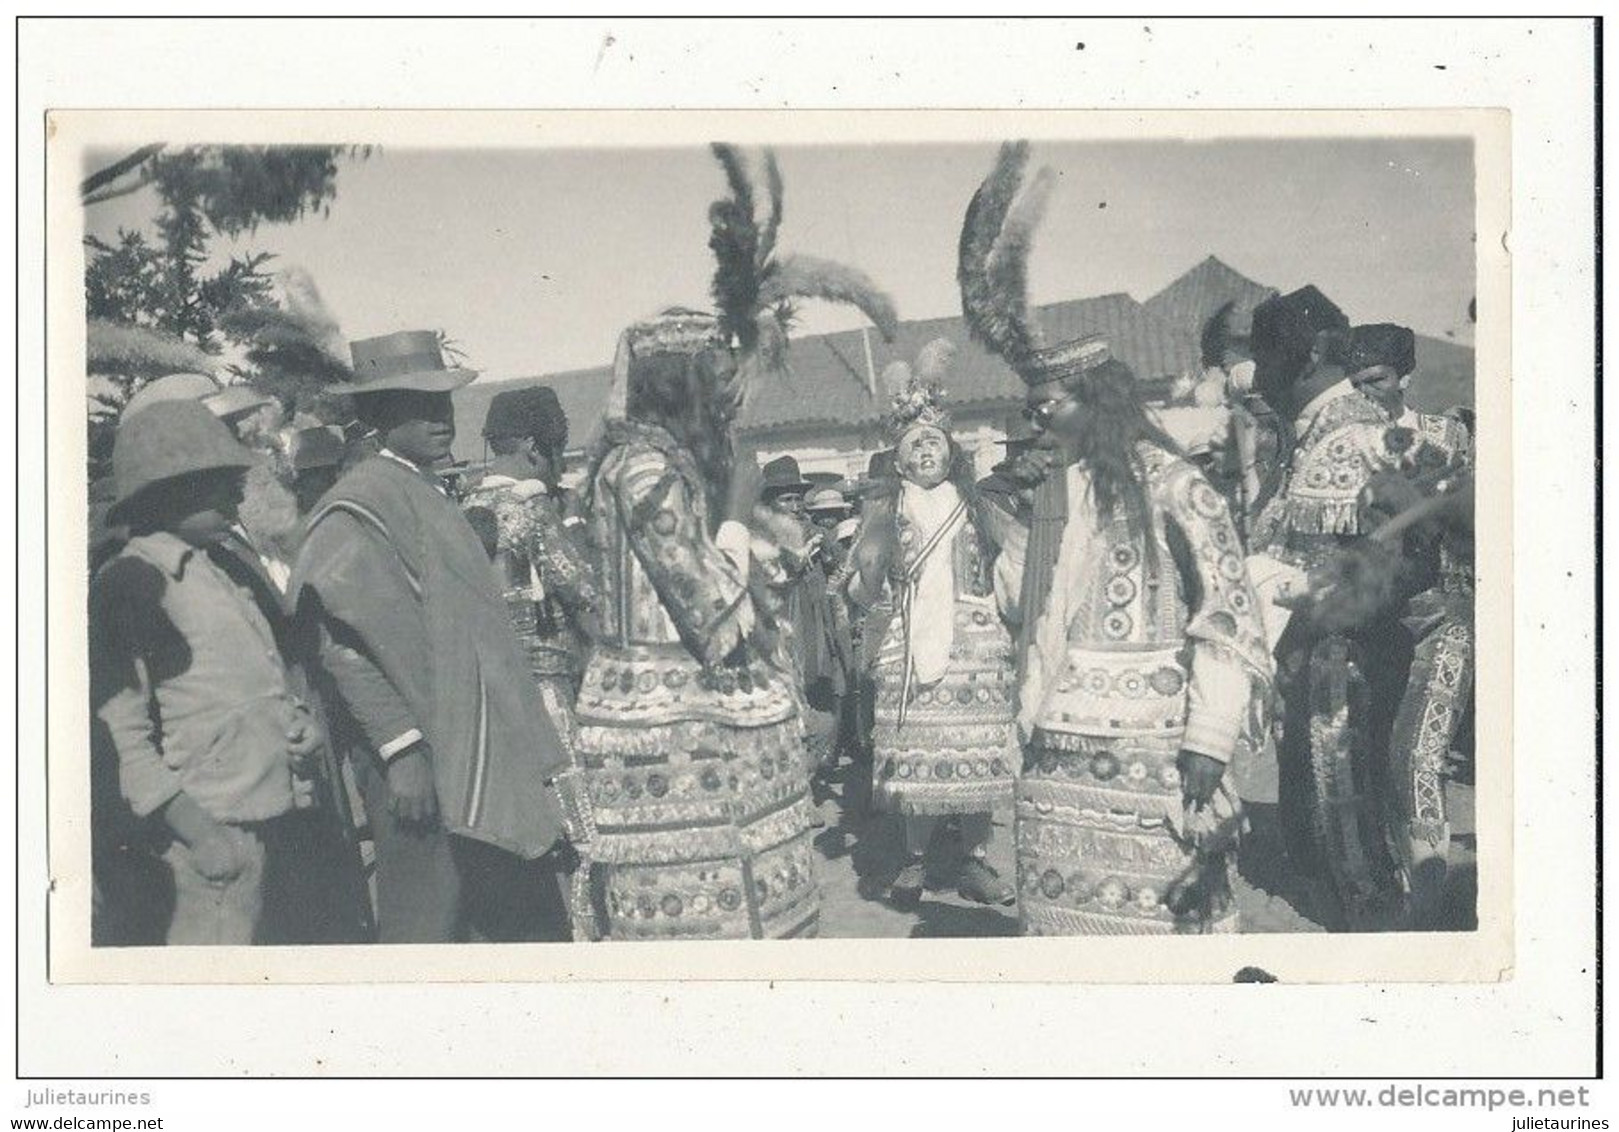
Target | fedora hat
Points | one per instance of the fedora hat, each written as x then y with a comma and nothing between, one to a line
782,477
407,360
165,442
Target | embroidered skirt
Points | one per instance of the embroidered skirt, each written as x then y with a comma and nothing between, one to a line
1096,852
699,799
957,751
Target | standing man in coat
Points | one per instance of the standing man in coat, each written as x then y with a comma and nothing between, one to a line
452,749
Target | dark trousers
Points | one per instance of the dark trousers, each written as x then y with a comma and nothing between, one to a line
435,887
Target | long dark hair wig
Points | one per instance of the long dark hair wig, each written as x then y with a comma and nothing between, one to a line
1112,425
695,398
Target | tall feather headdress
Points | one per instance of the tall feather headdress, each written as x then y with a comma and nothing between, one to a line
992,270
756,292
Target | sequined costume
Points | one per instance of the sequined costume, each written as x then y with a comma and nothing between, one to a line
1143,650
945,740
550,586
1339,689
1439,688
688,737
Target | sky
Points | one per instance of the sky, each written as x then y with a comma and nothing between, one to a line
533,260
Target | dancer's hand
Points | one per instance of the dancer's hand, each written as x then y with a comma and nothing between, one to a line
1200,778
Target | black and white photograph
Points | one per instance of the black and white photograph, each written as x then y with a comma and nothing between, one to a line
723,556
735,542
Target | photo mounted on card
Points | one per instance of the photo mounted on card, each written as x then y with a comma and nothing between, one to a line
1025,546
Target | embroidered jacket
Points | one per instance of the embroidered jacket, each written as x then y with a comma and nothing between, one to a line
549,581
1138,641
1342,444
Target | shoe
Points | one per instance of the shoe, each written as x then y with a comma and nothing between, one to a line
905,890
981,884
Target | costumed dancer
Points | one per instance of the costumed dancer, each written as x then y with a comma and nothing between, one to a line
1438,691
689,729
1339,681
1146,672
944,741
548,580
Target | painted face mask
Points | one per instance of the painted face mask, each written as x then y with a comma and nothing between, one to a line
923,456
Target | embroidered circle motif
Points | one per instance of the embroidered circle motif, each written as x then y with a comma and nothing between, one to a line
664,522
1113,892
657,785
1147,899
1124,556
1167,681
671,905
1117,624
1104,766
1079,887
1343,478
1132,684
1205,500
1096,682
730,899
1239,601
1051,884
647,681
943,770
1120,589
1231,567
1317,477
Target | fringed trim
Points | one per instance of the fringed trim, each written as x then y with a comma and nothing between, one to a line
1323,516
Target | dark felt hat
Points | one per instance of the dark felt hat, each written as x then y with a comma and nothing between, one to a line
316,448
407,360
1383,344
1289,323
881,464
166,441
1284,333
532,411
781,476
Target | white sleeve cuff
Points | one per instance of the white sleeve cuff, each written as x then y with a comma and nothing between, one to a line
399,745
734,539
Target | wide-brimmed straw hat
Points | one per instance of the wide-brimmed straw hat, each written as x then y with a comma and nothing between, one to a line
164,442
410,360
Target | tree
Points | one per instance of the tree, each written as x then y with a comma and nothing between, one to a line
160,284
